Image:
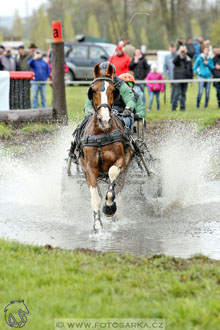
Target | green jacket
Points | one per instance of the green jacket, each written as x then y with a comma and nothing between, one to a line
125,92
22,62
139,106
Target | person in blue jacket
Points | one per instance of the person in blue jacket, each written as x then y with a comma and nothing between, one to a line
203,67
197,47
41,72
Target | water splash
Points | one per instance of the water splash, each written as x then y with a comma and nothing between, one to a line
30,198
186,164
34,179
187,161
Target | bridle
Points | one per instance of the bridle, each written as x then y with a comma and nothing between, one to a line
103,79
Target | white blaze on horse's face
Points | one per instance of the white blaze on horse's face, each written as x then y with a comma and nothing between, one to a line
105,115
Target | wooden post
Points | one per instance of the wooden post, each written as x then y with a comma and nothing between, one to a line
58,85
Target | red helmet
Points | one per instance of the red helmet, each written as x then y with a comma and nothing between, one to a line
127,77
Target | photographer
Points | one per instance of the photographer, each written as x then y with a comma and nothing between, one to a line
182,70
190,48
41,73
141,68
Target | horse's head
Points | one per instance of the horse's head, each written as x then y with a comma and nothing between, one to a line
102,93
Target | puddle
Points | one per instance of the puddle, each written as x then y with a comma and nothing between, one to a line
183,222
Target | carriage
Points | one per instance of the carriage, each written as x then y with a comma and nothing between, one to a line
107,153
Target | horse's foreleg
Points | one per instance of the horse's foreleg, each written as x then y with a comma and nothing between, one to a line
95,199
110,207
96,205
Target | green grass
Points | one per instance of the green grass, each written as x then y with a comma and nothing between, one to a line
39,128
5,131
75,98
60,283
202,117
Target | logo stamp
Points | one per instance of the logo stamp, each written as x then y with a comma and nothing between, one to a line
15,314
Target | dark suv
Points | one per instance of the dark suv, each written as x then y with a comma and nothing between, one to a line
80,57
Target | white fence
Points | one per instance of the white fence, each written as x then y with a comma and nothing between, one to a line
137,82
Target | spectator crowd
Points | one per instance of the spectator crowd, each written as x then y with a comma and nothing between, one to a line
185,59
30,60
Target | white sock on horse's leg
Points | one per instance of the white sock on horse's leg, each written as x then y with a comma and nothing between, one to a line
113,172
95,199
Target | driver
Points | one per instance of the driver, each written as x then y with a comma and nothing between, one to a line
140,111
126,102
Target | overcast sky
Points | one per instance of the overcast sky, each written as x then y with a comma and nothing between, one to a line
23,6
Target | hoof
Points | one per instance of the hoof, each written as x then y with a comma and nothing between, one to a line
109,211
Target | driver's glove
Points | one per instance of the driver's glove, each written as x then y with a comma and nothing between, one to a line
126,113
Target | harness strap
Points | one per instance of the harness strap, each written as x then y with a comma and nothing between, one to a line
103,105
104,139
100,163
103,79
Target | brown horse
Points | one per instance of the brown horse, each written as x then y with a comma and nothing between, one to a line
109,158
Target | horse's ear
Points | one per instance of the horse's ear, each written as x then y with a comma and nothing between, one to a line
96,71
90,93
116,93
110,71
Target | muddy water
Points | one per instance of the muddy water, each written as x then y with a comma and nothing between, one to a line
183,222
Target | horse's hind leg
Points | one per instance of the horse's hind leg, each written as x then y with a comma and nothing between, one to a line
110,207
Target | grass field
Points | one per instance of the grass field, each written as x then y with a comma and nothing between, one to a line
58,283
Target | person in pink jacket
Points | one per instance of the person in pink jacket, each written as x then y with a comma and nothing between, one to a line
154,88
